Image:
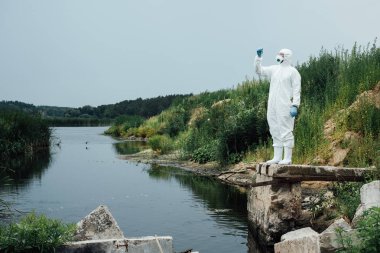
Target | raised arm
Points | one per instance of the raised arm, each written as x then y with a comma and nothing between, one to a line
260,70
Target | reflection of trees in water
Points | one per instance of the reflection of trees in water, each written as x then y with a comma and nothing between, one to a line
17,173
22,169
5,210
129,147
160,172
215,195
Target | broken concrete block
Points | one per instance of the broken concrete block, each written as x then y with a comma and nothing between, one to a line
329,239
99,224
370,194
340,223
304,240
299,233
369,197
148,244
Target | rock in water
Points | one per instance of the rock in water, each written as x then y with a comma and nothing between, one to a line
99,224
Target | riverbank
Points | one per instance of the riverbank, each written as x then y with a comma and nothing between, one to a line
241,174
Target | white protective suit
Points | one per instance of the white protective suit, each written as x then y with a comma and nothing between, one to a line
284,91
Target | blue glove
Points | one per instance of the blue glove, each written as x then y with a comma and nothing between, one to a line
259,52
293,111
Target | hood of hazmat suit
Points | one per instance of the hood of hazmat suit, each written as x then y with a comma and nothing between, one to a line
284,92
284,56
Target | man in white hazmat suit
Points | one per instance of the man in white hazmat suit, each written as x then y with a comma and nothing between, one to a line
283,103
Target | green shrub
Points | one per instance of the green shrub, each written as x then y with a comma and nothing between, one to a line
205,153
131,132
161,143
369,231
35,234
365,120
347,197
128,121
113,131
364,152
202,155
231,125
243,129
123,124
235,158
368,234
145,131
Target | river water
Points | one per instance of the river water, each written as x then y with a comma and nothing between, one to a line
84,171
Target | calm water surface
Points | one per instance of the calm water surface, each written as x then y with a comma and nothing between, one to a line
84,171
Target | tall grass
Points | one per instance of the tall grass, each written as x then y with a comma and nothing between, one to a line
334,79
308,133
22,134
123,123
330,83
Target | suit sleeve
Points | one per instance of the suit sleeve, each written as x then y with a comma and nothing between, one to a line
296,85
260,70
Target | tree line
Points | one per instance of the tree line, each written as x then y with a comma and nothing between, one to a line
102,114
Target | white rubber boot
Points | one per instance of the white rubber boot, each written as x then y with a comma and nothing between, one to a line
277,156
287,156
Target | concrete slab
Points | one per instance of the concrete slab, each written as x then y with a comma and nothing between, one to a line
294,173
149,244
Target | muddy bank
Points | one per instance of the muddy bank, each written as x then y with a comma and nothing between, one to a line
241,174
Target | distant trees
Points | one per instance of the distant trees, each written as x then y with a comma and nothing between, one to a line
16,105
140,107
98,115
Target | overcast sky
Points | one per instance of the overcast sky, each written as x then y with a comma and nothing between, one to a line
91,52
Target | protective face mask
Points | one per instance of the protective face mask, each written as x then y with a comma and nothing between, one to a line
279,58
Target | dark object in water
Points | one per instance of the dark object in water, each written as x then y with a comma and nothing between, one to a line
187,251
